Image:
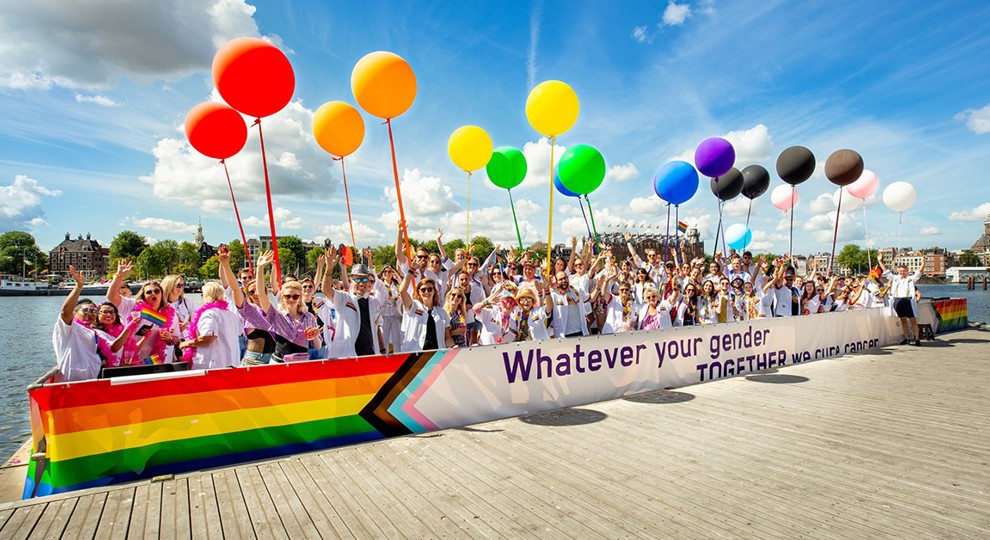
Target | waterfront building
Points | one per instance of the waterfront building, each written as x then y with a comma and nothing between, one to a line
87,255
981,248
959,274
205,250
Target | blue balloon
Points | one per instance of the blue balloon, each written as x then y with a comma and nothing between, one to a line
676,182
738,236
560,186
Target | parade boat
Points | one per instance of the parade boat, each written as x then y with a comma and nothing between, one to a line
135,426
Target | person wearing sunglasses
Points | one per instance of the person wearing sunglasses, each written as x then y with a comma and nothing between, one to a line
76,346
109,327
425,324
174,290
152,341
386,290
293,328
620,309
358,330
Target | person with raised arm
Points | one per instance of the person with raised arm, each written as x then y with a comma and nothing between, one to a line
386,289
902,296
570,306
293,328
243,296
495,314
213,333
529,322
78,349
111,329
621,310
425,325
124,304
358,312
777,294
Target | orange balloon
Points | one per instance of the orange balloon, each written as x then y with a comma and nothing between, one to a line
253,76
383,84
338,128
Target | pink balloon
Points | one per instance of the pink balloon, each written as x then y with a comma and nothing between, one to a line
784,197
866,185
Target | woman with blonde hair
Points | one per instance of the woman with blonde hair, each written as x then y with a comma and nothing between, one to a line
425,324
293,326
157,331
655,313
456,309
173,290
214,333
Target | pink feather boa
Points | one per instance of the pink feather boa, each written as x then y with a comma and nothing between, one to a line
193,331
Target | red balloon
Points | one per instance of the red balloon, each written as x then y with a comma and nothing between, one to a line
253,76
216,130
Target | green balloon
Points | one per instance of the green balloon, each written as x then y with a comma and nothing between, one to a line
507,167
581,169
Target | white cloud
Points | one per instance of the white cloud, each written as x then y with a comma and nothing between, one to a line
676,14
738,207
20,203
622,173
751,145
48,43
975,214
160,224
977,120
102,101
929,231
534,42
538,160
283,220
648,206
823,203
822,227
363,234
641,35
764,241
298,168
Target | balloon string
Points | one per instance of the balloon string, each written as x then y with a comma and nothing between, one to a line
553,140
677,232
347,200
748,212
237,214
514,220
587,226
468,239
835,234
592,214
790,243
869,258
666,236
398,190
718,231
268,195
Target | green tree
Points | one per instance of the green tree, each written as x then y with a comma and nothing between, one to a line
210,269
159,259
189,255
483,247
237,256
852,257
968,258
127,245
291,255
20,254
312,257
383,256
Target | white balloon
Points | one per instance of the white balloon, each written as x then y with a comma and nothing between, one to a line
899,196
849,203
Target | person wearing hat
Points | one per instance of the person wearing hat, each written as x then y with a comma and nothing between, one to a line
358,312
529,322
529,279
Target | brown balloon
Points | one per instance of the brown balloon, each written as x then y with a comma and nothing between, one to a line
844,167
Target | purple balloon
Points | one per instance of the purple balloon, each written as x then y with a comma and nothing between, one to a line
714,157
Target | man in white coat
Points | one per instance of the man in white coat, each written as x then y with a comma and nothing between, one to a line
358,330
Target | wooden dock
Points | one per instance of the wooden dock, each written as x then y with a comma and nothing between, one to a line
891,444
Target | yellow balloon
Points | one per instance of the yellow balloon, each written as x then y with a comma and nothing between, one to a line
338,128
383,84
552,108
470,148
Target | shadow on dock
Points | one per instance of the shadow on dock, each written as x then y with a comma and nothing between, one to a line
565,417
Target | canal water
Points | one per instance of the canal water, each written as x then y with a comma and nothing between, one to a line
26,350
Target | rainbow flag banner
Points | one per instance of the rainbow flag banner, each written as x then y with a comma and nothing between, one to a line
952,314
681,227
152,316
107,431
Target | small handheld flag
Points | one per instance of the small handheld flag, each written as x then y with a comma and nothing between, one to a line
152,316
681,227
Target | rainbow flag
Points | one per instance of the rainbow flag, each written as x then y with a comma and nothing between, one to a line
681,227
152,316
152,360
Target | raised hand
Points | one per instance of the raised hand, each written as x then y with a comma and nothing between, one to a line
223,254
266,258
439,234
627,236
124,267
573,242
77,276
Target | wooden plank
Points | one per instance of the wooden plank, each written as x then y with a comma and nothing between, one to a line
323,514
264,517
329,485
290,509
204,513
23,521
85,516
146,511
116,516
235,519
175,522
53,520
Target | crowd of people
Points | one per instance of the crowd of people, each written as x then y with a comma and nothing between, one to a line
431,301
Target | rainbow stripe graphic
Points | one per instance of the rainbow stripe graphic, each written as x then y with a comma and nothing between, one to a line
952,314
101,432
152,316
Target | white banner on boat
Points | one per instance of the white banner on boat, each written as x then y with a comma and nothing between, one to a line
530,377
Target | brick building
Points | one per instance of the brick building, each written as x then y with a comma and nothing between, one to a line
87,255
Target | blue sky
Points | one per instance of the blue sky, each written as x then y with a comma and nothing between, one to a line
94,98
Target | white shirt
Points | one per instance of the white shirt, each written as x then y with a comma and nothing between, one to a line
125,308
537,322
76,352
902,287
349,324
570,318
413,327
613,316
225,351
783,297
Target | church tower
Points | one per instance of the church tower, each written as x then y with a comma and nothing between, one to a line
199,233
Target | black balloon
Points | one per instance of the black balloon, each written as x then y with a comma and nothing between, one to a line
795,165
729,185
844,167
756,180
